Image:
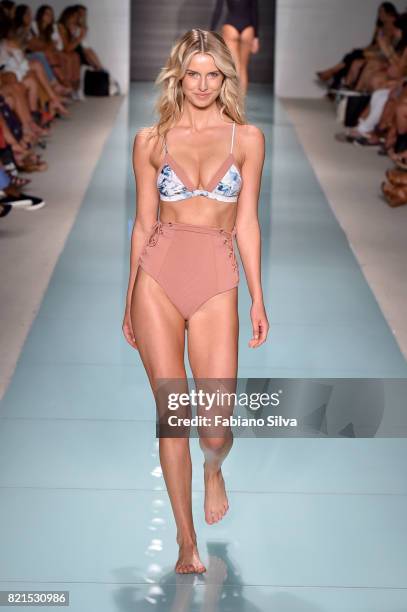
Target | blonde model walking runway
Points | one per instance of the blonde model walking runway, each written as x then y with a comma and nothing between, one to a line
198,175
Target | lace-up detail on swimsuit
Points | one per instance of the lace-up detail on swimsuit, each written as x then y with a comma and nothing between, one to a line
228,240
174,185
191,263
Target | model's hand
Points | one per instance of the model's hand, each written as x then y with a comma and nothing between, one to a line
260,324
128,329
255,45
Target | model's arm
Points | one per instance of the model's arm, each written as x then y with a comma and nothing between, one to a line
147,201
217,11
248,235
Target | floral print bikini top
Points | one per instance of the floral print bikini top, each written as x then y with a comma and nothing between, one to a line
174,185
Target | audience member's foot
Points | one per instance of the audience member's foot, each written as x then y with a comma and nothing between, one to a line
20,201
364,141
5,209
39,131
399,159
36,203
57,106
343,137
33,165
396,177
395,196
78,95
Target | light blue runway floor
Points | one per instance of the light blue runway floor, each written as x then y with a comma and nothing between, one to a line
315,525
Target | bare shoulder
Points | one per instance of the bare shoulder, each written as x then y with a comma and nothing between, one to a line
145,145
251,134
145,139
252,143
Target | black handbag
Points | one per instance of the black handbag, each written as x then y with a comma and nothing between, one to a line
96,83
354,108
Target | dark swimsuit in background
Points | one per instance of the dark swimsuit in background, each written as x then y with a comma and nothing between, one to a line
241,14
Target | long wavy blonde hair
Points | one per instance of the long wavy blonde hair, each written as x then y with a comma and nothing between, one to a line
170,103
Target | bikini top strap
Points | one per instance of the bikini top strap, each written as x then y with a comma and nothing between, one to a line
233,137
165,145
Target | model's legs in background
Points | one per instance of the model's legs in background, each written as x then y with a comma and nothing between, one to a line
246,41
240,45
213,336
231,37
159,330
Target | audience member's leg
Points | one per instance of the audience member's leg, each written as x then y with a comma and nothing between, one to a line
31,85
371,67
354,72
92,58
377,103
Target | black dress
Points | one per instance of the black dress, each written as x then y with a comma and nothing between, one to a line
241,14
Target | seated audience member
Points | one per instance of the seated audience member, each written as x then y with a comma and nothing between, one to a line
29,71
347,71
87,55
46,38
71,38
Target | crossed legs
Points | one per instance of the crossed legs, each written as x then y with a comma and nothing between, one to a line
159,331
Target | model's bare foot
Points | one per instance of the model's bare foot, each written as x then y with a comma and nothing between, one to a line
216,502
188,560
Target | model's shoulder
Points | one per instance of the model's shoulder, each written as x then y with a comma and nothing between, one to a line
145,135
251,133
146,139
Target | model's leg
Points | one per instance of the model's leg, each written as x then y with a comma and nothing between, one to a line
159,330
246,41
231,37
213,335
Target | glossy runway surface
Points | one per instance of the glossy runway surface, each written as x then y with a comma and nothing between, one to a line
314,524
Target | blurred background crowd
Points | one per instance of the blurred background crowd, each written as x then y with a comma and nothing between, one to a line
42,63
369,85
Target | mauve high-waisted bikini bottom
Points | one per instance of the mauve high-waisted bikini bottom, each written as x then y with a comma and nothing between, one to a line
192,263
